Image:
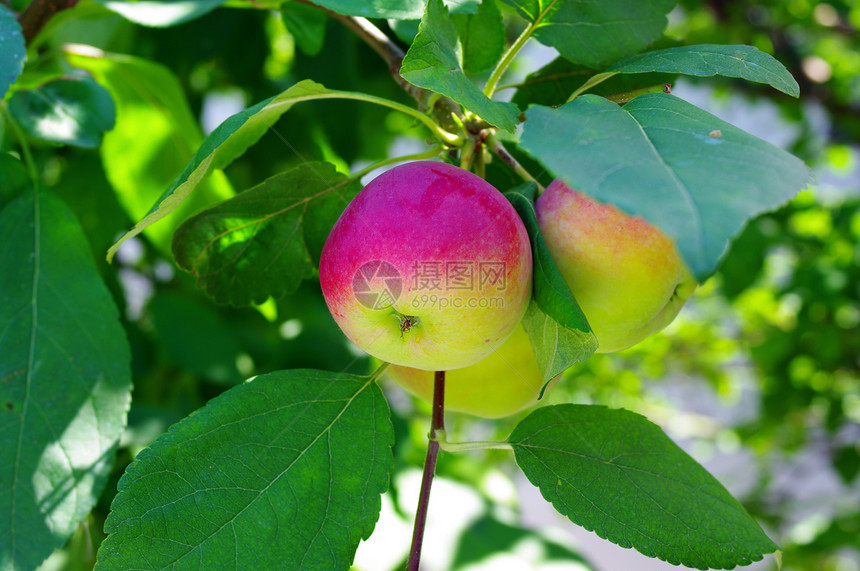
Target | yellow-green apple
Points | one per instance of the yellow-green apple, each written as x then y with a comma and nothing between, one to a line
505,382
626,274
429,267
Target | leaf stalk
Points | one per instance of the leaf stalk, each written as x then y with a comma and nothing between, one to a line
505,62
447,446
497,148
440,133
432,153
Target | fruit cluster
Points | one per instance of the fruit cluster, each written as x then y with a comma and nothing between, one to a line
430,268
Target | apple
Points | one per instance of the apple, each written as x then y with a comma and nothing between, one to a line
505,382
429,267
626,274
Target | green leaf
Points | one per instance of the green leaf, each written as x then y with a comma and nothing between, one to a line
14,178
266,240
283,472
691,174
195,337
482,37
745,62
70,111
433,62
396,9
595,33
65,379
556,326
553,84
225,144
488,536
306,24
617,474
160,14
555,346
12,48
405,30
150,100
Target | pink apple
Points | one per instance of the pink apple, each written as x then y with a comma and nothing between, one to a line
626,274
505,382
429,267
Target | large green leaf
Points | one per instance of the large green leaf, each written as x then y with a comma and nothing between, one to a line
557,327
71,111
695,176
13,53
595,33
617,474
160,13
282,472
395,9
149,100
65,379
228,142
745,62
433,62
266,240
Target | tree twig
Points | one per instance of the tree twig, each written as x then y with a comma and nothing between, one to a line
437,424
39,13
497,148
381,44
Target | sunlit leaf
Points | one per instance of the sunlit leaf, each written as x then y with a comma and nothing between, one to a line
225,144
266,240
161,13
283,472
70,111
693,175
155,134
65,380
617,474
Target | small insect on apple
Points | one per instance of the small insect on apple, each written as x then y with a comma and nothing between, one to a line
406,323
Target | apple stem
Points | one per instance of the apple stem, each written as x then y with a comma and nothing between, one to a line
437,424
497,148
